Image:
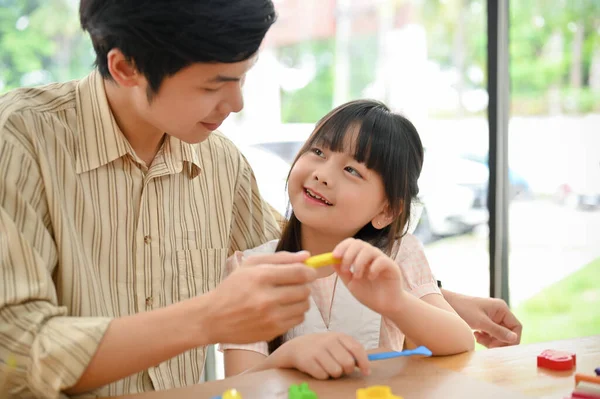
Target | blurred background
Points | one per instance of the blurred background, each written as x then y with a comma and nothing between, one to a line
426,59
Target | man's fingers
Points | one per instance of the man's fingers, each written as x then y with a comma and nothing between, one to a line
293,274
292,295
283,323
483,338
290,323
293,310
511,321
497,344
512,338
488,341
278,258
497,331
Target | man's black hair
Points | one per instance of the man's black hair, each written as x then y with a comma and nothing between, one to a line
161,37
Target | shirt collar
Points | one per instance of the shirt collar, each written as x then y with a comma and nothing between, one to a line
100,140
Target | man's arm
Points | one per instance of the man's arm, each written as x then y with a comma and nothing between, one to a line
492,319
254,304
46,349
49,351
137,342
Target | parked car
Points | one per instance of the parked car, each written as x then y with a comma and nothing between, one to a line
519,186
569,196
452,195
581,186
452,198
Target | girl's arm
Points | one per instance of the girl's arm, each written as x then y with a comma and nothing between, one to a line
424,304
321,355
238,361
430,321
405,292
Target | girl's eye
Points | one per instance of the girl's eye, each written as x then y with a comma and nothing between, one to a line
352,171
317,152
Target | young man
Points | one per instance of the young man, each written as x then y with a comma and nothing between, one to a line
119,206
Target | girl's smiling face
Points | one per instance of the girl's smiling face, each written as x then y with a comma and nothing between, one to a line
356,176
330,191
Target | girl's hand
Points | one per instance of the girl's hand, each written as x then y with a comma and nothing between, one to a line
370,275
324,355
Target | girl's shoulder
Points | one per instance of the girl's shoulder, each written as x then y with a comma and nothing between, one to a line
407,247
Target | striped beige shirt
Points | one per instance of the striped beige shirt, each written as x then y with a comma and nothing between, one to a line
89,233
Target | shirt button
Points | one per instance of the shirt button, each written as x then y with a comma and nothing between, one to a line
149,302
147,240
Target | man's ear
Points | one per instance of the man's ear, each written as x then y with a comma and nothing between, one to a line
122,70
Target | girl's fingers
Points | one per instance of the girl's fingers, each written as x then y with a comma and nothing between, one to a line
363,261
339,250
343,357
359,354
349,256
379,267
329,364
314,369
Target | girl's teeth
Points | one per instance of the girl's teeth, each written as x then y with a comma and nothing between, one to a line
310,193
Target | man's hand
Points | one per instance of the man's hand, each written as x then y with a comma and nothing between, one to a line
494,324
264,298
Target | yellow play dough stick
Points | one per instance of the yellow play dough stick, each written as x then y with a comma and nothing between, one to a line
322,260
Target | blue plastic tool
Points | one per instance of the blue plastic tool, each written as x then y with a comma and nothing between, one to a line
421,350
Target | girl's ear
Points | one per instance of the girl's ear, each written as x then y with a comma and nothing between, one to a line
383,218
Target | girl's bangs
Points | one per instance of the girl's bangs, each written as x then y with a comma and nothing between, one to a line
367,136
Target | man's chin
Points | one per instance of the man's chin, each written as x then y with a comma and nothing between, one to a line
196,137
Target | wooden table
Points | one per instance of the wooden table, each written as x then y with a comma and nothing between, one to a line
495,373
515,367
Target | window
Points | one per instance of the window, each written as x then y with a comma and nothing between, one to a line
554,160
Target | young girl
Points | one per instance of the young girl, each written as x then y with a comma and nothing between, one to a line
350,189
